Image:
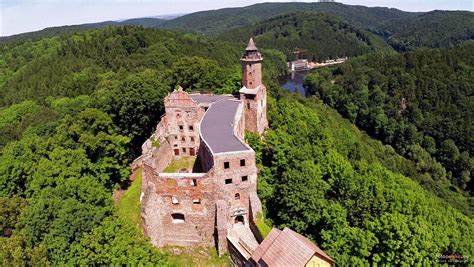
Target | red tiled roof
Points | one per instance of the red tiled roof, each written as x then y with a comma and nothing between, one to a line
287,248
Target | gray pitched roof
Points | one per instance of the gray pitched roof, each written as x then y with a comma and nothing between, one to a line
217,127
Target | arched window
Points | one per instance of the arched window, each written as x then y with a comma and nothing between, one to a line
237,196
239,220
177,217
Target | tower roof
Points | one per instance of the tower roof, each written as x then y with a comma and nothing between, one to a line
251,46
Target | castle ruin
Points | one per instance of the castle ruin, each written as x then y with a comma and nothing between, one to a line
214,197
199,177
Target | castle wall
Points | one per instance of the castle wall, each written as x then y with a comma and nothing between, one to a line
187,208
183,116
235,183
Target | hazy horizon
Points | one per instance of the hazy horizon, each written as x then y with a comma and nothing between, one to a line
20,16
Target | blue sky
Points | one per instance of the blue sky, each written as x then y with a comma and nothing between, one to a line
17,16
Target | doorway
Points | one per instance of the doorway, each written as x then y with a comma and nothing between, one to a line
192,152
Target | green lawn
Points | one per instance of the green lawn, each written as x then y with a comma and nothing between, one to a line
128,207
183,163
196,256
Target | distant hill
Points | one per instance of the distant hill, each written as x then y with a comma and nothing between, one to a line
402,30
433,29
217,21
53,31
322,35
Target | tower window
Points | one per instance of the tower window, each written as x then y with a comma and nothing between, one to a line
248,105
245,178
191,128
177,217
228,181
237,196
192,139
176,152
183,138
226,165
174,200
184,150
181,127
242,162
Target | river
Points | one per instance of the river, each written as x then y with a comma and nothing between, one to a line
293,82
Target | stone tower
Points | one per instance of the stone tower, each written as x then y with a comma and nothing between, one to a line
253,93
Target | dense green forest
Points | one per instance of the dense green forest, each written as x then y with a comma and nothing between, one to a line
213,22
321,176
75,109
434,29
75,112
402,30
419,102
322,36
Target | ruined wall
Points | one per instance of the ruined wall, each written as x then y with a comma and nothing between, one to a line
239,122
205,156
235,183
191,195
183,116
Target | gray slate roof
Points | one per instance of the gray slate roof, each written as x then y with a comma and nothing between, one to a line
208,99
217,127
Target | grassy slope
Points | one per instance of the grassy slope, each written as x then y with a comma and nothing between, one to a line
128,206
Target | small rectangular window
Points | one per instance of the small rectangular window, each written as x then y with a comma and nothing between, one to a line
248,105
184,150
176,152
228,181
242,162
192,139
183,138
197,201
174,200
245,178
181,127
191,128
226,165
194,182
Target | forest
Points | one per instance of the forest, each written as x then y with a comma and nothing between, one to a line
419,102
320,36
76,107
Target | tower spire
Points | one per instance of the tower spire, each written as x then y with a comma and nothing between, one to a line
251,45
